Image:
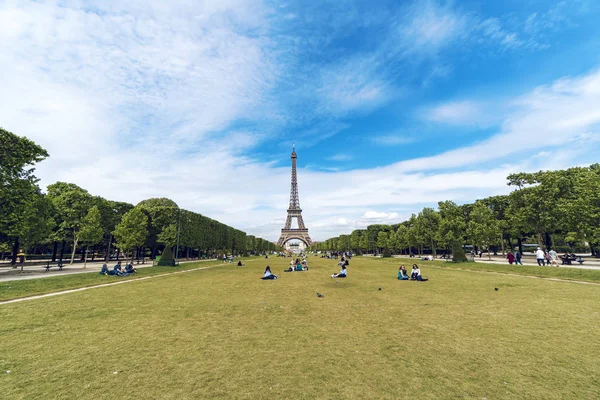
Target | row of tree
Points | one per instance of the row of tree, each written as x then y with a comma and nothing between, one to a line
70,218
553,209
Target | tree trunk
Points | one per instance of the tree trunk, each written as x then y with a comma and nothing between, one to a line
132,255
433,249
548,241
54,251
75,240
118,254
15,251
539,238
83,254
62,250
84,258
107,257
520,244
153,254
502,243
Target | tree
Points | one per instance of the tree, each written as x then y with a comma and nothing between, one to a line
132,231
17,182
90,232
72,204
483,227
168,235
451,226
427,228
166,258
382,241
161,212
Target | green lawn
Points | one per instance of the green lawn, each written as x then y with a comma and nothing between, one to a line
223,333
29,287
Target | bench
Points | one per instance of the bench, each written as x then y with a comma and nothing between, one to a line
566,260
59,264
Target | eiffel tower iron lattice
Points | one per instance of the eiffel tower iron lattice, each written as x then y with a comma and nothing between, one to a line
294,211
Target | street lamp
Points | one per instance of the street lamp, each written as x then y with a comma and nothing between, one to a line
178,229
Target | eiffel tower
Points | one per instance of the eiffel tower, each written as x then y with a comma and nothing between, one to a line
294,211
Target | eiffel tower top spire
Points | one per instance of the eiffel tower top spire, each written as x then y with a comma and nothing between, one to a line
294,197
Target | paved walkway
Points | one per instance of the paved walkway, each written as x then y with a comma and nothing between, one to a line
8,273
593,264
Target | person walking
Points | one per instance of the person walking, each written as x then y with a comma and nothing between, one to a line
553,257
518,257
539,254
511,258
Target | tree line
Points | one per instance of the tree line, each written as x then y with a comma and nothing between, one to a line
551,209
67,219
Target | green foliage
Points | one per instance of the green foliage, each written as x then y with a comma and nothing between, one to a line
17,182
132,231
168,235
91,228
382,240
483,228
72,204
166,258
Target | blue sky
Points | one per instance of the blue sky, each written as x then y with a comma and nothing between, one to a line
393,105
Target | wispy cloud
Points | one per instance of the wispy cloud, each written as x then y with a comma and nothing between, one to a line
392,140
340,157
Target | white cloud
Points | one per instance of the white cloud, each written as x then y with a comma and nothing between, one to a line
379,215
431,26
463,112
340,157
392,140
130,102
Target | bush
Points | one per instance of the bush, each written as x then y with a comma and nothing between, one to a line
459,255
386,253
166,259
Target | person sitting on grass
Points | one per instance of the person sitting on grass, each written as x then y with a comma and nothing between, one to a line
416,274
240,264
104,270
304,265
268,274
402,275
117,270
129,269
342,274
298,265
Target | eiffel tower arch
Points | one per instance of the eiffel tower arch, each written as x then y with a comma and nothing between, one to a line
294,211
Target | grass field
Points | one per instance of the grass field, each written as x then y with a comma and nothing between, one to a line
223,333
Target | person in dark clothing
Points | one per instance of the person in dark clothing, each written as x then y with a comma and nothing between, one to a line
129,269
104,270
518,257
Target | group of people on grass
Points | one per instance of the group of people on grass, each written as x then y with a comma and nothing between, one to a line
118,270
415,274
298,265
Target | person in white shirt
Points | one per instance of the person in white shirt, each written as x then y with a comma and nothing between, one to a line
415,274
268,274
553,258
540,256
